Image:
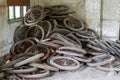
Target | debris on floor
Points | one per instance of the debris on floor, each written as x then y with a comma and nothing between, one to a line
51,40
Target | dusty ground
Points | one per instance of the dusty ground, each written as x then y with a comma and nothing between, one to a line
86,74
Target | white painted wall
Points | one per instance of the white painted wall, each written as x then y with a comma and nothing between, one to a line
110,29
110,19
93,13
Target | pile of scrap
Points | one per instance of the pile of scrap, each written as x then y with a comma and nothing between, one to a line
52,40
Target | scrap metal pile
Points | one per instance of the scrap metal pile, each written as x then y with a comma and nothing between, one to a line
51,40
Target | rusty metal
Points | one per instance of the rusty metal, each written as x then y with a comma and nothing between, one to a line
19,33
101,60
35,31
73,24
64,63
35,75
47,26
59,8
21,46
34,15
36,49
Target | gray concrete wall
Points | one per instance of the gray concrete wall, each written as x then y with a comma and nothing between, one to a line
93,13
6,29
111,19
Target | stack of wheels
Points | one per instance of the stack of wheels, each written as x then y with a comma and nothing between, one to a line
41,23
49,40
105,54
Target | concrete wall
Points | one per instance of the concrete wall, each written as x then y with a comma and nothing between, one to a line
102,15
6,30
111,9
93,13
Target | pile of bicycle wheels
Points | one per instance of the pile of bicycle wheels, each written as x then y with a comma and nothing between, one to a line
52,40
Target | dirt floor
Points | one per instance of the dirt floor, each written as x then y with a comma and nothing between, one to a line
86,74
